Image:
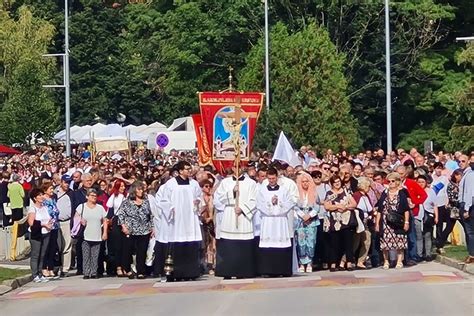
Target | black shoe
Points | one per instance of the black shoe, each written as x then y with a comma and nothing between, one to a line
79,273
86,277
94,276
332,269
410,263
350,268
429,258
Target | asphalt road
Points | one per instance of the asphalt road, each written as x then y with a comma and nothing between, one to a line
427,289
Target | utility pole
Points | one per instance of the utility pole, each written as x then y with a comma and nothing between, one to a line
387,77
267,60
65,85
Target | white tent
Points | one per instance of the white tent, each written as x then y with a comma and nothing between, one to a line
182,124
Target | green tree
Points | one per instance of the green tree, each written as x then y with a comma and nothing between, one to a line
309,100
27,107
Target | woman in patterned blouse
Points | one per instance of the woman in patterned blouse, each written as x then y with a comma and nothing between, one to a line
136,220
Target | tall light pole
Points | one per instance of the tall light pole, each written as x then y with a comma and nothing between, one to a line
66,78
65,84
267,60
387,76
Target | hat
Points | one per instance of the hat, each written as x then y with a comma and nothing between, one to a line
66,178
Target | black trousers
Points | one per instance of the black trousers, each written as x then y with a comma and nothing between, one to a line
442,239
79,254
443,217
51,251
114,246
341,243
321,252
139,243
17,214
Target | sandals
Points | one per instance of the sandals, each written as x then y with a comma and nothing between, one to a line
301,269
399,265
120,273
386,265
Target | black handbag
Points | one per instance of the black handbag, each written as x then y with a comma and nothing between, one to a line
395,220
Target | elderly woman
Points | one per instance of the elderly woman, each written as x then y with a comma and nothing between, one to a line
307,222
135,218
340,223
362,239
393,220
92,216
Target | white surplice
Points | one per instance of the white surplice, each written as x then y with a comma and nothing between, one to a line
275,232
232,226
179,212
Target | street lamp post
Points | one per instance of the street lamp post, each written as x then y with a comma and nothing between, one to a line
387,76
65,85
267,60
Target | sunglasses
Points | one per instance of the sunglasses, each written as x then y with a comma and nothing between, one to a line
334,171
462,160
325,168
207,186
392,181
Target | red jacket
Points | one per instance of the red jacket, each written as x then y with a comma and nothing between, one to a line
416,193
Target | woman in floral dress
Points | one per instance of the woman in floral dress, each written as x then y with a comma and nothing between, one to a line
394,199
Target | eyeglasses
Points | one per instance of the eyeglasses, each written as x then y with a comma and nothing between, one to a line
325,168
463,161
207,186
334,171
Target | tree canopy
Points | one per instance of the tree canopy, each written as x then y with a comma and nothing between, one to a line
147,59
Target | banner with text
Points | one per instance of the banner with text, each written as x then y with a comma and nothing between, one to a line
229,120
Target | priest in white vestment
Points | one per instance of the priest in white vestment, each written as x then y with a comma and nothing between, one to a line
180,232
235,239
275,253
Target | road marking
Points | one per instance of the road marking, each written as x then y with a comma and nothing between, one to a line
438,273
306,278
38,289
449,283
238,281
112,286
366,275
359,287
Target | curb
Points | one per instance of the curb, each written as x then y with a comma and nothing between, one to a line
10,285
468,268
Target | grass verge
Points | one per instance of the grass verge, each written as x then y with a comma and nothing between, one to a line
8,274
456,252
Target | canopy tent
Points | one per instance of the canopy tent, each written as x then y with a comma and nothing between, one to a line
87,133
5,150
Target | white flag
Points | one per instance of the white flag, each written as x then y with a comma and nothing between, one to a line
285,152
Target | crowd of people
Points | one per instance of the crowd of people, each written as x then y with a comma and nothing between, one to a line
157,215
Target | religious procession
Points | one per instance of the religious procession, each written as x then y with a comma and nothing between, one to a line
227,211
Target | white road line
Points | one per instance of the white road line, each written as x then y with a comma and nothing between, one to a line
38,289
238,281
112,286
359,287
449,283
308,278
437,273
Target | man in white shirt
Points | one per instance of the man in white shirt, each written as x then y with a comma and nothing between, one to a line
275,253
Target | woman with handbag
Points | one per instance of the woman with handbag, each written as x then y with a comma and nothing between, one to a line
426,219
393,220
40,223
307,222
93,217
136,220
340,223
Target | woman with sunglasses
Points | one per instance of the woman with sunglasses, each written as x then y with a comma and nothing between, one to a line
395,199
340,223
